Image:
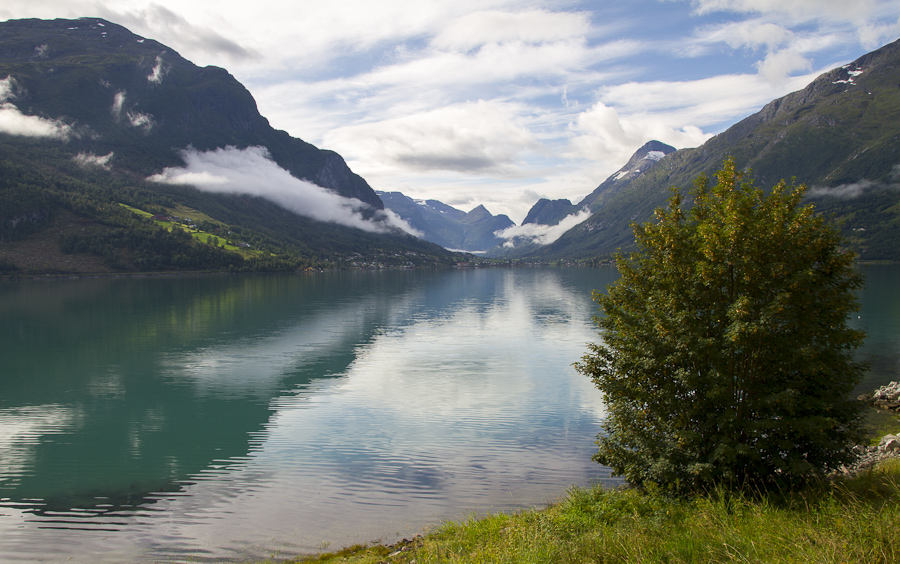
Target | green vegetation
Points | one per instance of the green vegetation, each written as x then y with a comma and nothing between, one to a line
847,520
95,213
208,232
835,136
726,354
73,190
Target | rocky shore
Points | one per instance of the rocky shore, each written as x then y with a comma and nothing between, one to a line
885,397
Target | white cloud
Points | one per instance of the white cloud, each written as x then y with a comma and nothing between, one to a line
140,120
873,35
159,71
90,159
778,66
472,138
750,34
535,26
118,102
251,171
541,234
164,24
630,114
185,177
861,15
857,189
603,134
134,117
14,122
819,9
7,88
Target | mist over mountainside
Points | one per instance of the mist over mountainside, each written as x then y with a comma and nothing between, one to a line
93,116
840,136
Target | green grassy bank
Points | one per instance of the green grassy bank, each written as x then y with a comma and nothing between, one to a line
843,520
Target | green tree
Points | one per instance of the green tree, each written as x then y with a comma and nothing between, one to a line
726,357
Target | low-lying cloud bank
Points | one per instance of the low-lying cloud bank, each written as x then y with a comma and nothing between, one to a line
14,122
857,189
536,234
251,171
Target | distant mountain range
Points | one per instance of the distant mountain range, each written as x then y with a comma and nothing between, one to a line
447,226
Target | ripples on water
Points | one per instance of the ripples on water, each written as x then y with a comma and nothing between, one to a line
231,417
243,417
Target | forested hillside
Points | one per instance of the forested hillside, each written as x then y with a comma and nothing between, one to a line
99,124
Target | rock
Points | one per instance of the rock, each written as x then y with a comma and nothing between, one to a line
888,392
885,397
889,443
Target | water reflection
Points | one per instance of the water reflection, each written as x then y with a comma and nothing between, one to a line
186,419
205,417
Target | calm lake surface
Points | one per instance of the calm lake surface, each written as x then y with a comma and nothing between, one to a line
232,417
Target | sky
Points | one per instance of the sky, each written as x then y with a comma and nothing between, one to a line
502,102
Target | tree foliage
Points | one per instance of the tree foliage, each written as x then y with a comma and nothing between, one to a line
726,354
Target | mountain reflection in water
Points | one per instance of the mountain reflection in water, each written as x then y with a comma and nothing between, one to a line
224,417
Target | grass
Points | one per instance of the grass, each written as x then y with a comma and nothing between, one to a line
202,236
850,520
881,422
844,520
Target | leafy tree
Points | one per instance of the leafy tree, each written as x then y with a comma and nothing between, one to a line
726,355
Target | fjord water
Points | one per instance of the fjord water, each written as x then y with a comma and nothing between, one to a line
220,417
225,417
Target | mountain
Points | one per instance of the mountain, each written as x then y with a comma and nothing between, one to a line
96,117
550,212
447,226
144,102
640,162
840,136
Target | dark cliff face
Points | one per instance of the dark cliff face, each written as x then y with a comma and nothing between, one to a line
119,91
550,212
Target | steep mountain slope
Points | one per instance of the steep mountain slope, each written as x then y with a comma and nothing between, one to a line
640,163
141,100
91,113
840,135
447,226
